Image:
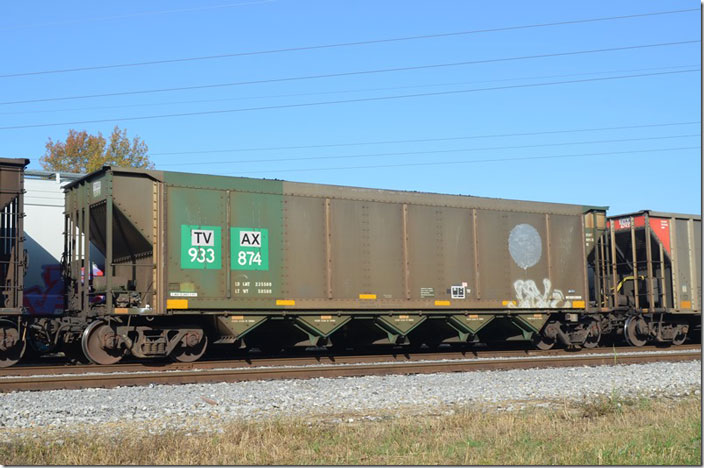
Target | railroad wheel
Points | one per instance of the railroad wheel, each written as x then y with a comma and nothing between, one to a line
680,335
593,335
543,343
12,345
635,331
101,344
191,347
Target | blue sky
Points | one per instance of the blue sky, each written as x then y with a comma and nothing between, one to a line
583,125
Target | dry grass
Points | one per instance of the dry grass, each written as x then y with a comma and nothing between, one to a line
610,430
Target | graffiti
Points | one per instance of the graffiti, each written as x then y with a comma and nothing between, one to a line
528,296
525,245
95,271
47,299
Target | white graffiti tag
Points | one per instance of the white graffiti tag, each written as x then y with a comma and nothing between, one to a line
529,296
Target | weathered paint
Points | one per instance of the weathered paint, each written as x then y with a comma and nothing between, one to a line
322,325
12,263
660,227
236,244
534,321
669,266
470,324
246,219
401,324
238,326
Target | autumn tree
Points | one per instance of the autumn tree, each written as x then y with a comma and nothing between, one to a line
82,152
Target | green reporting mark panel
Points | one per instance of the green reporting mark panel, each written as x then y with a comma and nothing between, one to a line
201,247
250,248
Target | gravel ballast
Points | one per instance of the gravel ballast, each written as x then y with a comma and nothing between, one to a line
206,406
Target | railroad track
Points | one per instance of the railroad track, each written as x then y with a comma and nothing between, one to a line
85,376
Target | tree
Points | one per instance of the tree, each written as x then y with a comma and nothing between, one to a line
82,152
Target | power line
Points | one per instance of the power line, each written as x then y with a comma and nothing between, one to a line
347,44
351,73
474,161
424,140
342,101
417,153
343,91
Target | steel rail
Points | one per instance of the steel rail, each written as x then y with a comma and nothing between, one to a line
303,371
251,361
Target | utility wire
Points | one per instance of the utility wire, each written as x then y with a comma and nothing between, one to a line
347,44
474,161
351,73
344,91
416,153
424,140
342,101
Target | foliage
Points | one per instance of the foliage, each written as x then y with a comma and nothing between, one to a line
82,152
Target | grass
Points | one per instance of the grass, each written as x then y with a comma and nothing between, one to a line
607,430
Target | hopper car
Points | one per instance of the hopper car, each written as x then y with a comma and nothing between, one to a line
12,259
159,264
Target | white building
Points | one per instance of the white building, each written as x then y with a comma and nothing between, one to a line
44,241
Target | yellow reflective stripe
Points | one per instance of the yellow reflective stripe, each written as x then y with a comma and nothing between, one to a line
177,303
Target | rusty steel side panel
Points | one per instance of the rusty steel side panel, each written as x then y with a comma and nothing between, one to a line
11,235
431,199
135,216
567,263
11,179
366,251
214,243
133,196
531,260
696,256
306,248
345,248
687,258
398,250
112,225
440,251
349,239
